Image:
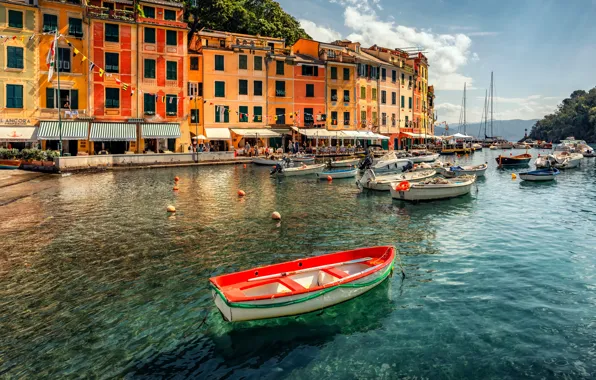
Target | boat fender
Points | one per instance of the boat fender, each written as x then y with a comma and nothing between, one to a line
175,188
403,186
276,215
171,209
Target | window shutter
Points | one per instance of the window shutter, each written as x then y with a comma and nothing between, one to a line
316,71
74,99
50,97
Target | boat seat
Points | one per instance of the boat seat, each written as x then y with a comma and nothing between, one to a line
336,272
291,284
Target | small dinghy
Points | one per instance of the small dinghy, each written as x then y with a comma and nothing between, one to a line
303,169
341,173
384,182
301,286
456,171
266,161
540,175
344,163
429,157
521,159
306,158
432,189
389,163
567,160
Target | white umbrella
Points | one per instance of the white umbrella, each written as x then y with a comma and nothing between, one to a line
199,137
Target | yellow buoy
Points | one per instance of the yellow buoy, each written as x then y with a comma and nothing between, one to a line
513,176
276,215
171,208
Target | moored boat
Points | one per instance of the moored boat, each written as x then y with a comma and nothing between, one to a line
303,169
386,164
432,189
520,159
456,171
566,160
340,173
344,163
306,158
540,175
383,183
10,164
430,157
266,161
301,286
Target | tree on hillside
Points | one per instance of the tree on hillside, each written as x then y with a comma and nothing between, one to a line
575,116
262,17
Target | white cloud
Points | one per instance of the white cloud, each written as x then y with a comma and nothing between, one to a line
475,57
483,34
319,33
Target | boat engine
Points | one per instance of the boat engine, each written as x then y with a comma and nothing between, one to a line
407,167
278,168
366,163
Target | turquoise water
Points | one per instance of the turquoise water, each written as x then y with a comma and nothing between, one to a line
98,281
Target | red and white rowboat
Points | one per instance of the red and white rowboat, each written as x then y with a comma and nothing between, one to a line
301,286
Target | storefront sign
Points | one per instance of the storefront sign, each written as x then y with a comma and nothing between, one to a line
23,122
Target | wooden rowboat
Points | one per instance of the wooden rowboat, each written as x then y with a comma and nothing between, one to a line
520,159
301,286
540,175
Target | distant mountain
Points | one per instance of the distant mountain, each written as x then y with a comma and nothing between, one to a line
512,130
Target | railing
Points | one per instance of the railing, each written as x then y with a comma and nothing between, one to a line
346,122
76,2
339,58
346,99
106,13
280,93
334,98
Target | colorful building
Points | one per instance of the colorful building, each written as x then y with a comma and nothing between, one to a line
194,74
19,73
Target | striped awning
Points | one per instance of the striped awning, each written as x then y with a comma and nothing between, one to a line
17,134
113,132
160,131
71,130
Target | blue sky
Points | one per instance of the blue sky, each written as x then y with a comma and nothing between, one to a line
540,51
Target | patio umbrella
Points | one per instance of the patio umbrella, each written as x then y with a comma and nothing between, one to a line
199,137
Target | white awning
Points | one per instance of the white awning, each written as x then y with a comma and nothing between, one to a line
256,132
18,134
217,133
364,135
314,133
382,137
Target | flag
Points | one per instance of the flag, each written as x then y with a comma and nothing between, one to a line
101,72
14,37
84,59
118,81
91,66
163,99
22,38
30,38
132,91
51,57
140,10
124,86
68,42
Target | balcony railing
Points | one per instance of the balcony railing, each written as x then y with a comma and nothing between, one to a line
334,98
280,93
106,13
346,99
346,122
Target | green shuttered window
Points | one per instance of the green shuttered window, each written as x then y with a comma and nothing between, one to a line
172,70
149,69
149,104
220,89
14,57
14,96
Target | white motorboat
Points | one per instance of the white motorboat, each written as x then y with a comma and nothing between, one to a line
424,158
456,171
388,163
266,161
566,160
521,146
437,165
383,183
540,175
298,170
493,147
306,158
345,163
341,173
432,189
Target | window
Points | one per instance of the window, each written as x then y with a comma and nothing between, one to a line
407,121
310,71
410,103
149,104
50,23
243,114
220,89
280,88
149,11
310,90
171,105
334,73
112,62
169,15
171,37
63,60
108,5
112,33
222,43
258,114
258,88
333,118
279,67
384,118
363,117
194,63
393,120
149,69
383,96
346,96
149,35
374,118
242,62
280,116
219,62
222,114
243,87
112,98
346,118
393,76
309,118
394,98
68,98
172,70
193,89
403,78
403,101
14,96
346,74
14,57
258,63
383,74
50,93
75,27
333,95
374,94
200,89
194,116
15,19
362,92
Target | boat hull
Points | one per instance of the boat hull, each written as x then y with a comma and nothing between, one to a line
523,159
265,161
345,163
426,158
9,164
299,171
536,178
338,174
384,183
466,171
391,166
421,192
304,159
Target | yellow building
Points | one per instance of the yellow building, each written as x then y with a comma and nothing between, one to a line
19,93
70,102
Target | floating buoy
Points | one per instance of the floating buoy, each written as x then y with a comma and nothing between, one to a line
244,166
329,178
176,188
276,215
513,176
176,179
171,208
241,193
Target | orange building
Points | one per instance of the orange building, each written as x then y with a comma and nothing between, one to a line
195,91
280,89
309,92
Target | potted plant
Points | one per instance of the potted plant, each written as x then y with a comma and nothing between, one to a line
10,158
49,157
37,157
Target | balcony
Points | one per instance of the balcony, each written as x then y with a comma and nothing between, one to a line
169,3
337,58
170,23
280,93
74,2
107,14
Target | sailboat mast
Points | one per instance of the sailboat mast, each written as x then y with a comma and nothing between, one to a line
464,108
491,104
484,117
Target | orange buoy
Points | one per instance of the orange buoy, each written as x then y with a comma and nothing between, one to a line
403,186
329,178
241,193
171,208
276,215
176,188
244,166
176,179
